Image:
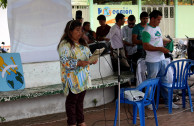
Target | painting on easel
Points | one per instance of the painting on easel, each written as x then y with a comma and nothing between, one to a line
11,72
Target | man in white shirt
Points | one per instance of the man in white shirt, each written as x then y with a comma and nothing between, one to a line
131,48
153,44
116,38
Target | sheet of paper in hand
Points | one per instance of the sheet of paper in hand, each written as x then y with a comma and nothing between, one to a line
96,54
11,72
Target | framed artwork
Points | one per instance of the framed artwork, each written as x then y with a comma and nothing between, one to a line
11,72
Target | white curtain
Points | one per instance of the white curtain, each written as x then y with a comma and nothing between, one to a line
4,32
36,26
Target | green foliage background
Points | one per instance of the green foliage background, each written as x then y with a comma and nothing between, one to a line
153,2
3,4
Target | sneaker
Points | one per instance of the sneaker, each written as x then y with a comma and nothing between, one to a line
173,106
150,107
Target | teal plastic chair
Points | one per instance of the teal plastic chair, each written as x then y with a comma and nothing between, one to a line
181,71
150,87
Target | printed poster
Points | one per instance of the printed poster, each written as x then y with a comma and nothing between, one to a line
11,72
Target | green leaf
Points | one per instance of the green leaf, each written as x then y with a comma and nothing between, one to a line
19,74
2,119
11,83
18,78
3,4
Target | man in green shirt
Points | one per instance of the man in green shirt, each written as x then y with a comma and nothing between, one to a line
137,31
137,39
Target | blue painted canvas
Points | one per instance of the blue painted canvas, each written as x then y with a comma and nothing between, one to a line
11,72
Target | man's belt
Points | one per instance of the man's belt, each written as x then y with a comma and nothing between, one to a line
119,49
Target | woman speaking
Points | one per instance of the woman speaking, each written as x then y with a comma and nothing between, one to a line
74,55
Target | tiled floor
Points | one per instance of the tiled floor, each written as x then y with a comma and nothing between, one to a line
96,117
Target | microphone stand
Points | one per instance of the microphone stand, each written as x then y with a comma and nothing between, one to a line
118,56
119,85
119,77
98,44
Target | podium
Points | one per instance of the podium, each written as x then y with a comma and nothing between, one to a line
190,48
99,45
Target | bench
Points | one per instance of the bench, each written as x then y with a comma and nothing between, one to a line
44,93
58,89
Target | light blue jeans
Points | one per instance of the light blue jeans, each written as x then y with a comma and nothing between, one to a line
157,69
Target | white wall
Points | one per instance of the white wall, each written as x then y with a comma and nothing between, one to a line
27,108
48,73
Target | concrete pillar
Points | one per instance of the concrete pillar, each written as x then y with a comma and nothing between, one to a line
139,11
176,17
91,14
